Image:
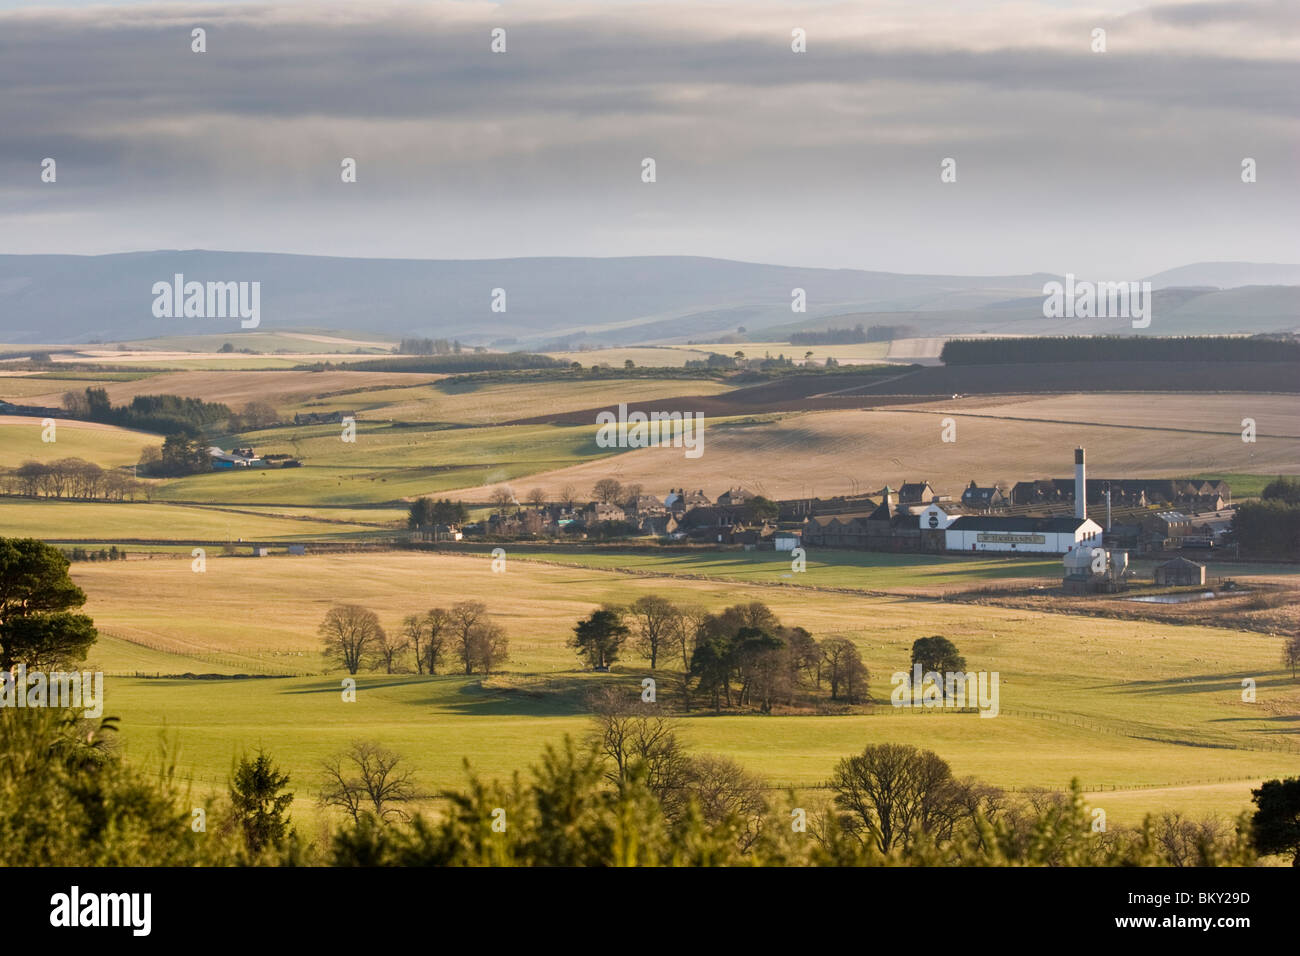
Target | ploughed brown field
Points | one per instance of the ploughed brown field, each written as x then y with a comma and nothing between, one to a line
838,452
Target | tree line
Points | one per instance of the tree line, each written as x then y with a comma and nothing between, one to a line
1119,348
415,346
164,414
72,478
855,335
1270,526
426,512
354,640
463,362
742,656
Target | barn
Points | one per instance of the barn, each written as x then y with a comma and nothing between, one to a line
1180,572
1020,534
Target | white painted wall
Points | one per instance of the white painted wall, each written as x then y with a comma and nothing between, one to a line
1088,534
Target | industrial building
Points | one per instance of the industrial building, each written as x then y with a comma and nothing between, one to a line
1017,534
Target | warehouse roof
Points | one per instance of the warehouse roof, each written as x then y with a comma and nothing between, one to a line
1015,523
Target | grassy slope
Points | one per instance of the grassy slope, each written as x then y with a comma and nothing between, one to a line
1122,700
73,520
106,445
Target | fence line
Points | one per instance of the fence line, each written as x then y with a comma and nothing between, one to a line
209,657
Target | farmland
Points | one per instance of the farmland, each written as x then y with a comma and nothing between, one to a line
23,439
839,452
1113,703
1145,710
386,462
119,521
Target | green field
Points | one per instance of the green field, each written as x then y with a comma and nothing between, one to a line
107,521
1122,705
106,445
861,570
388,462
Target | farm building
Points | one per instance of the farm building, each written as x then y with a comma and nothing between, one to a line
916,493
1180,573
836,531
1127,492
982,499
1020,534
786,540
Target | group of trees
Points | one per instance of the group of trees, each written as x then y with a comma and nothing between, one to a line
72,478
742,656
79,553
855,335
426,512
354,640
630,793
429,347
1271,525
181,454
165,414
39,626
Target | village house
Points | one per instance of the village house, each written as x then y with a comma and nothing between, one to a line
916,493
975,498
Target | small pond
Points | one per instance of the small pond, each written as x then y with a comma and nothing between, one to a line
1184,598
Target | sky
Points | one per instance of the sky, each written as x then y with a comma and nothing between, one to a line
1112,164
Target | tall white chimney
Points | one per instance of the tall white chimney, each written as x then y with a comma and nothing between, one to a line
1080,486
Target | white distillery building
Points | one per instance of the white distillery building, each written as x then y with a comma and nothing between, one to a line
1011,534
1020,534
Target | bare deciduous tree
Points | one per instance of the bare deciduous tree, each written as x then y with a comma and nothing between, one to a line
438,624
844,669
1291,654
465,616
350,632
389,650
890,791
413,629
640,738
364,781
481,643
728,796
491,647
655,619
607,490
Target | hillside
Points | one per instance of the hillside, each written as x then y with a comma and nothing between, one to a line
557,301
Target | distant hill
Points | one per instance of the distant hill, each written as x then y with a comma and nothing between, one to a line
1175,311
552,301
1227,275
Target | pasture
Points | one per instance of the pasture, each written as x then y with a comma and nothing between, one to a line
1119,704
63,520
22,440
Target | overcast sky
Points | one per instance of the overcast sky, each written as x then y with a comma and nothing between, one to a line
1114,164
